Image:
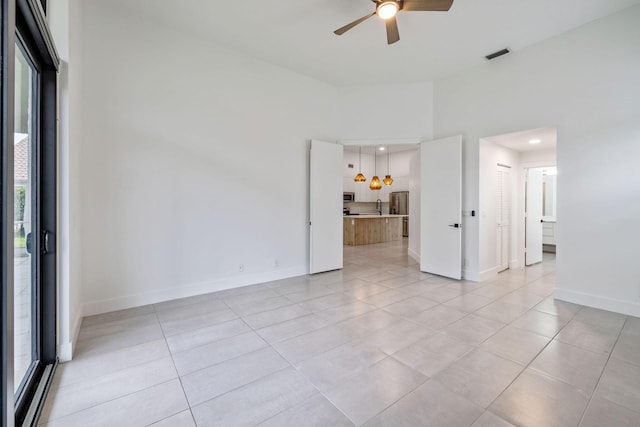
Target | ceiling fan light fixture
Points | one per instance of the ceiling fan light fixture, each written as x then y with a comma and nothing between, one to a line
387,10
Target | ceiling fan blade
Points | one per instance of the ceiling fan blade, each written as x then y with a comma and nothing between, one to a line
427,5
347,27
392,30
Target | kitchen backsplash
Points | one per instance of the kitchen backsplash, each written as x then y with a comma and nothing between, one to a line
366,207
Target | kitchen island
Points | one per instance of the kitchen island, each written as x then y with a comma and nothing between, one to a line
368,229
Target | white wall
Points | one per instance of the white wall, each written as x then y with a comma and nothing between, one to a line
490,156
585,82
194,161
545,157
64,18
385,111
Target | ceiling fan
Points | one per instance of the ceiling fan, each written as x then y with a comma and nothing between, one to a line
388,9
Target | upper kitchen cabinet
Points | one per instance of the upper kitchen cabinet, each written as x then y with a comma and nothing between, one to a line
349,185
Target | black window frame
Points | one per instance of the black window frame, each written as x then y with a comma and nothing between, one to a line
26,18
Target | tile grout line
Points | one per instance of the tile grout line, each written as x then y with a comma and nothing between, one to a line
604,368
527,366
176,370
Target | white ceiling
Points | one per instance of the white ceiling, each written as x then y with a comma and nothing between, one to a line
519,141
299,35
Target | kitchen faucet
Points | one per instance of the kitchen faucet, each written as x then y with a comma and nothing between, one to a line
379,206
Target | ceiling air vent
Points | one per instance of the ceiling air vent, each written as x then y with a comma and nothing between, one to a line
494,55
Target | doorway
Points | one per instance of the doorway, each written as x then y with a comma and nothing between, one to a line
436,176
511,229
431,171
540,213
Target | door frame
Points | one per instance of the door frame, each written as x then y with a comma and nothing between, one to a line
7,51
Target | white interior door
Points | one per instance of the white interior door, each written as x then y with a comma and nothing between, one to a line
325,206
441,207
503,216
533,222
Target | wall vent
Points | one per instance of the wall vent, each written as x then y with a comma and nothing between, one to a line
494,55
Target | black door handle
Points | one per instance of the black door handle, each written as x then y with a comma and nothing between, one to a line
456,225
48,242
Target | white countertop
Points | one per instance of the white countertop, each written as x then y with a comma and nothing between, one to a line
367,216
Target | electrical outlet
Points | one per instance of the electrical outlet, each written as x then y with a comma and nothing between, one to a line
276,263
241,268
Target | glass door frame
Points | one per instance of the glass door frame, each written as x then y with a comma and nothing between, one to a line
26,18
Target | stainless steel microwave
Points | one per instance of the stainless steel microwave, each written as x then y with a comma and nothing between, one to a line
348,197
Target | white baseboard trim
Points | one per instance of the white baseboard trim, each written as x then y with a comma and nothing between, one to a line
129,301
489,273
414,255
514,263
65,350
596,301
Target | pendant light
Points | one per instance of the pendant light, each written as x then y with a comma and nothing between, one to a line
375,181
387,179
360,177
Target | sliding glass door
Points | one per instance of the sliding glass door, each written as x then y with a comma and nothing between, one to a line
25,210
28,200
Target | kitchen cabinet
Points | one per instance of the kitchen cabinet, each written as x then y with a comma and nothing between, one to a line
349,185
368,229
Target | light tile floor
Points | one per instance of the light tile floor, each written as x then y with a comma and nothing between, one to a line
377,344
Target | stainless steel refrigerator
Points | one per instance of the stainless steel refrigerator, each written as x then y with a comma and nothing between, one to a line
399,205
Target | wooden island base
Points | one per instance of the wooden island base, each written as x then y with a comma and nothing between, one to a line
365,230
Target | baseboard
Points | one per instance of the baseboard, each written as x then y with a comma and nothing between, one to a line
129,301
65,350
488,274
414,255
596,301
514,263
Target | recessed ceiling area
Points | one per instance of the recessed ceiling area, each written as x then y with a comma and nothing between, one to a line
298,35
528,140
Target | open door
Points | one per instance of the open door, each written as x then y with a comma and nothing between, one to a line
533,221
325,206
441,207
503,216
